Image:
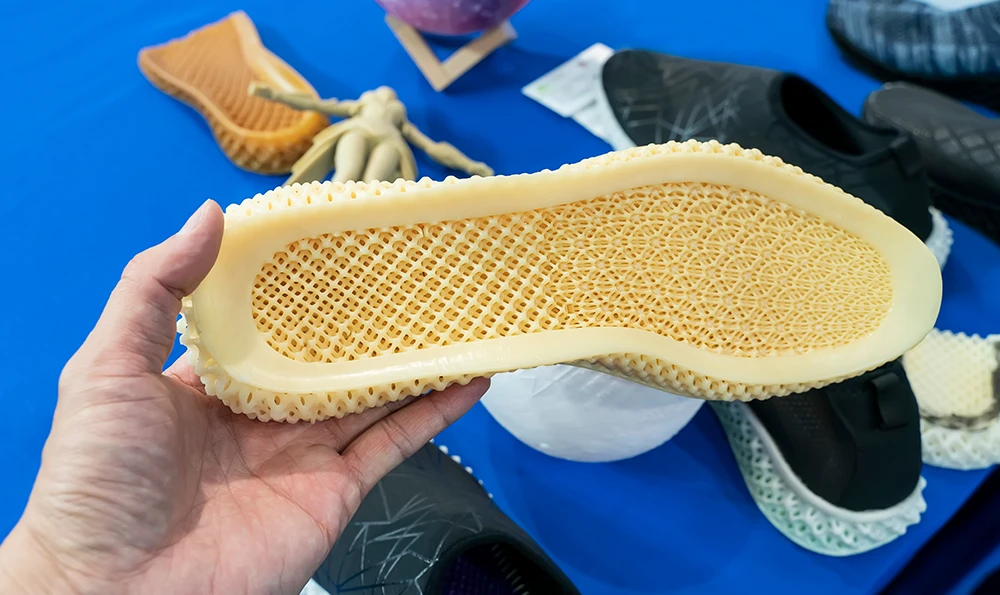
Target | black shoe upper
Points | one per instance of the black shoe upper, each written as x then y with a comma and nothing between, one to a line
855,444
960,147
657,98
429,527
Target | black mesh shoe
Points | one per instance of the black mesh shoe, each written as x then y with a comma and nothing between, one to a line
429,528
655,98
960,147
837,469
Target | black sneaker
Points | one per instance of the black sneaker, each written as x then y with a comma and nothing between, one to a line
655,98
955,51
836,470
960,147
429,527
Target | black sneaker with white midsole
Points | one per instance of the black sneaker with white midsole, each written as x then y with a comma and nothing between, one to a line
837,469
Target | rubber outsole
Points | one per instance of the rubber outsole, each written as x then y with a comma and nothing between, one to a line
703,269
793,509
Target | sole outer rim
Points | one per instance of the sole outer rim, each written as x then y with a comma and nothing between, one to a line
798,513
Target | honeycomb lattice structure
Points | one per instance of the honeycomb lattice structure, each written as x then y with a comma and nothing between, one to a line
793,509
960,449
723,269
208,70
720,268
954,378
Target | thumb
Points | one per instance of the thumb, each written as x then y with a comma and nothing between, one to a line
137,328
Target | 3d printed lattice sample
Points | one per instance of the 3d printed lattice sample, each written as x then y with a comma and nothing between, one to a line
211,69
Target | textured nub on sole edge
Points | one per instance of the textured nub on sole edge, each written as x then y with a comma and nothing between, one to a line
720,268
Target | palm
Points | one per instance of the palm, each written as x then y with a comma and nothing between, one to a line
147,481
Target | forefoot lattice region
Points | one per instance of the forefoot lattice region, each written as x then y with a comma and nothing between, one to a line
698,268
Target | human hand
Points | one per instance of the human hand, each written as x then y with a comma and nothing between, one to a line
148,485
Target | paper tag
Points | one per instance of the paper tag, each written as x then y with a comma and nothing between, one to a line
953,5
571,86
594,119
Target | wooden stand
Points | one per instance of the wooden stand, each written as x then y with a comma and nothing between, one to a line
441,74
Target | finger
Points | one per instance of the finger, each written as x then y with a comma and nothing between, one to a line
396,437
136,330
339,433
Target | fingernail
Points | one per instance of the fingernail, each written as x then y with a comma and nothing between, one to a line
193,221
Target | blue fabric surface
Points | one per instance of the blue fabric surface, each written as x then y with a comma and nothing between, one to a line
100,165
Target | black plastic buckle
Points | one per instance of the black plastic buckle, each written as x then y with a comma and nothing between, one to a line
892,410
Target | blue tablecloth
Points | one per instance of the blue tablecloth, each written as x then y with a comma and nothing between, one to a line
100,165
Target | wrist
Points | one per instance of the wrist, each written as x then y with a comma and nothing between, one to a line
26,567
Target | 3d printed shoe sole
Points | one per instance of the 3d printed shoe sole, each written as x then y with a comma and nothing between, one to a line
211,69
954,377
796,511
705,270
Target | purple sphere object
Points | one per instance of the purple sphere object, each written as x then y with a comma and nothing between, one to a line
452,17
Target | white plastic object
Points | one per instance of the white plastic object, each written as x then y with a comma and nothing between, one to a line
581,415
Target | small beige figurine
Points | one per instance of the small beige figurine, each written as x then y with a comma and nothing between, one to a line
370,145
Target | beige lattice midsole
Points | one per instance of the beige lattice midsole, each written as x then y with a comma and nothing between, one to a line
702,269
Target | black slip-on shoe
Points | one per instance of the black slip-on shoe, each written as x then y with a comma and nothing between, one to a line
655,98
430,528
960,146
955,51
836,470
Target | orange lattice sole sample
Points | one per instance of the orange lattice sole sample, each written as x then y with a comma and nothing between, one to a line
211,69
701,269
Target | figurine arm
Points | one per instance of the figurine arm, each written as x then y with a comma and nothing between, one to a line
304,101
444,153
